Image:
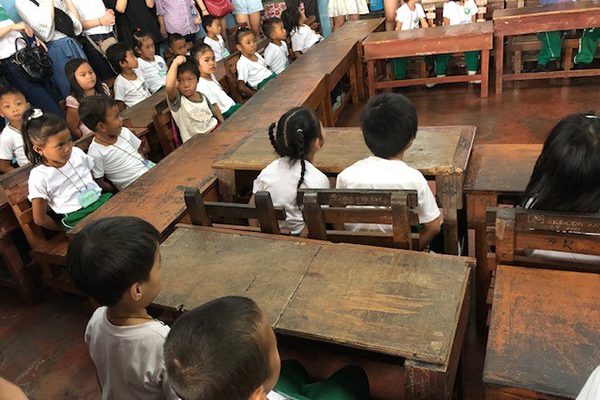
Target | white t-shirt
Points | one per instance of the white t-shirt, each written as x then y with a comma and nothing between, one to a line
276,57
460,14
214,92
304,38
253,72
129,359
11,146
92,10
121,162
280,178
131,92
218,47
192,118
410,19
154,72
61,187
591,389
7,42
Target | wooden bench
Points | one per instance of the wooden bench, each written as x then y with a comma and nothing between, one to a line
163,126
380,46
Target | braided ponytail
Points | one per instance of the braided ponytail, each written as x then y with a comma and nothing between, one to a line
272,138
301,154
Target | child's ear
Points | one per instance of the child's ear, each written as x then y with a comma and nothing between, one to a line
100,127
317,143
38,149
259,394
239,47
135,292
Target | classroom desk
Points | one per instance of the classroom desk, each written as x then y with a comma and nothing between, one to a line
497,173
544,333
140,115
439,152
409,306
542,18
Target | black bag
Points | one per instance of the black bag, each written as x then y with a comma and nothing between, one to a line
34,62
62,22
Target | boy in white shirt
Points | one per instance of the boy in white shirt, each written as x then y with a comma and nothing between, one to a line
385,169
212,26
410,16
116,261
276,53
116,150
252,69
12,106
130,87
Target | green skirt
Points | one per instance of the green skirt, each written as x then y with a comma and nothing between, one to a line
71,219
264,81
231,110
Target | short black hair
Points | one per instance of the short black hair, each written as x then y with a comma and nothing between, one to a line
241,32
10,90
389,124
207,21
110,254
189,66
117,53
269,25
92,110
216,351
173,37
198,49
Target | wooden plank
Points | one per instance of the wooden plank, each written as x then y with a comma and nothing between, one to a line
357,30
140,115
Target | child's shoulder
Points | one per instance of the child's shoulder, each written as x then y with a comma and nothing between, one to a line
151,332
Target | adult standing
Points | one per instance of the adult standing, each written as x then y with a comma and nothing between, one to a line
339,10
132,16
390,7
248,12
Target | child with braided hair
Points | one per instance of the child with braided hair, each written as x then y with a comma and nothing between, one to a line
296,138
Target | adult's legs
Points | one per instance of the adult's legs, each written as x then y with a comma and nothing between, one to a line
338,22
61,51
551,47
587,46
223,22
255,23
354,17
242,19
390,7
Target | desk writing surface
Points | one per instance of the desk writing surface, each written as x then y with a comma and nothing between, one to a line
324,57
395,302
356,30
140,115
546,9
544,331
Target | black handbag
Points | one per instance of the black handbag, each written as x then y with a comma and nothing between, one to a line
34,61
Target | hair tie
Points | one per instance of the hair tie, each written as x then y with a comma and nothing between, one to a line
300,131
592,116
35,114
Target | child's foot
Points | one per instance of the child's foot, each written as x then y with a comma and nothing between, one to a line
477,82
430,85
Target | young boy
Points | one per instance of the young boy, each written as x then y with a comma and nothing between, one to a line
212,26
177,47
116,261
191,110
116,151
226,349
12,106
130,87
276,54
385,169
252,69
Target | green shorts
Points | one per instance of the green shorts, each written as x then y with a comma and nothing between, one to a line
71,219
264,81
231,110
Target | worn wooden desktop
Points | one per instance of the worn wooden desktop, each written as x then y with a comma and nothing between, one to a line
439,152
544,333
497,173
542,18
409,306
423,42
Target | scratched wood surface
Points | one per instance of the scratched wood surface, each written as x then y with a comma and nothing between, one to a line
545,330
140,115
433,151
357,30
324,57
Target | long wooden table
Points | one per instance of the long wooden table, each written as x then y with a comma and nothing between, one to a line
410,307
542,18
544,333
440,153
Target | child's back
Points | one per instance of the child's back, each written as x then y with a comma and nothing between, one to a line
302,36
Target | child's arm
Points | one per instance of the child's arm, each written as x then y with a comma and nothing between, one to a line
398,26
72,117
171,81
5,166
39,209
105,185
217,113
428,232
424,23
244,89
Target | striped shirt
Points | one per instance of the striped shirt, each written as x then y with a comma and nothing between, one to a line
39,18
177,15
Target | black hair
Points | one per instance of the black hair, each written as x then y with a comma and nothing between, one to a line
38,130
92,110
241,32
269,25
291,19
389,124
110,254
173,37
117,53
566,175
198,49
189,66
207,21
10,90
216,351
76,90
138,38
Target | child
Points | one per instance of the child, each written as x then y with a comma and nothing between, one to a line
62,174
296,138
177,47
153,67
116,261
191,110
84,82
408,17
212,26
303,38
276,53
385,169
12,106
115,149
251,67
226,349
130,87
591,389
209,85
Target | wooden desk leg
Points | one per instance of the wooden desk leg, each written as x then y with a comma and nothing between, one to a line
449,188
485,72
354,78
226,184
14,262
499,63
360,73
371,75
327,110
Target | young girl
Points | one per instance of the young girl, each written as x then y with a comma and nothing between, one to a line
296,138
339,9
84,82
408,17
152,66
61,177
251,67
303,37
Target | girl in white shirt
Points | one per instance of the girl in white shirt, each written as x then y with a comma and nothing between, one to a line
302,36
152,66
296,138
410,16
252,69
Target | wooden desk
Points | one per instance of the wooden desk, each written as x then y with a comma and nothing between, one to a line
140,115
497,173
544,332
440,153
542,18
409,306
423,42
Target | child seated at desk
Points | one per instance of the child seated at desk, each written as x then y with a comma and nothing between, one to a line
212,26
389,126
116,150
276,53
152,66
302,36
410,16
252,69
130,87
116,261
177,47
227,349
12,106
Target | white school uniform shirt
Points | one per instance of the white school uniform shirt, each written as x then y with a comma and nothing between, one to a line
252,72
214,92
218,47
410,19
280,178
276,57
591,389
192,118
129,359
11,146
131,92
304,38
121,162
460,14
154,72
92,10
61,187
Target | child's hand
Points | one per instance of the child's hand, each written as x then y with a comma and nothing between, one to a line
178,61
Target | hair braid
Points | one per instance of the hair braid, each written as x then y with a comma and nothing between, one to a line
300,144
272,138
